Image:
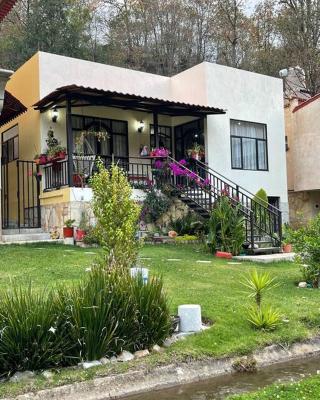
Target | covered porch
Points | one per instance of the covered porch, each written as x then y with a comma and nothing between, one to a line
91,124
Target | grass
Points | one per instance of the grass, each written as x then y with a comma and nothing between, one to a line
214,284
308,389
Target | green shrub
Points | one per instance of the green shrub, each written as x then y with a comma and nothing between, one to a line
33,332
153,314
306,242
154,206
186,238
226,226
190,224
116,214
102,315
258,283
264,317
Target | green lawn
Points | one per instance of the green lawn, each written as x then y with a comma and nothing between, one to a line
215,285
308,389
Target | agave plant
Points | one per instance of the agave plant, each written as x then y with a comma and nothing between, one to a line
257,283
264,317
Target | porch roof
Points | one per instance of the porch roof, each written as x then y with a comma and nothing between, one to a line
86,96
12,108
5,7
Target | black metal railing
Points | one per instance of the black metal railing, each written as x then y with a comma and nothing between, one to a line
139,172
202,185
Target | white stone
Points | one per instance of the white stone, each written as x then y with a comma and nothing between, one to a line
125,356
22,376
47,374
190,318
68,241
157,349
113,359
90,364
144,272
303,285
89,269
105,360
141,353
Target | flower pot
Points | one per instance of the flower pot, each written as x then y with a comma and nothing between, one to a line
80,234
287,248
224,254
43,159
78,180
67,232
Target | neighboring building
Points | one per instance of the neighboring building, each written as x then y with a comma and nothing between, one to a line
303,149
236,115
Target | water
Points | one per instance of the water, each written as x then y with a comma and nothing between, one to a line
221,387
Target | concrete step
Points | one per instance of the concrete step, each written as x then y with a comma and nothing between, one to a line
15,231
26,237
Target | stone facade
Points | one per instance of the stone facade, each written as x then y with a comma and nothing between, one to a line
303,206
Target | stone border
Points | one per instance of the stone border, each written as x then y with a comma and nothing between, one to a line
134,382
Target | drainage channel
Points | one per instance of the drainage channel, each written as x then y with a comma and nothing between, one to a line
220,388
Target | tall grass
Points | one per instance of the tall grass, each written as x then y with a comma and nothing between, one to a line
105,313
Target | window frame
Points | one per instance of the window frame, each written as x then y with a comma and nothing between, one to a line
7,160
151,126
257,140
105,121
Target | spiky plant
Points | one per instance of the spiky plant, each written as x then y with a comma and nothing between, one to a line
258,283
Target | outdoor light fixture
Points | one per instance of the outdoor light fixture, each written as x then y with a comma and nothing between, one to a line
141,126
54,114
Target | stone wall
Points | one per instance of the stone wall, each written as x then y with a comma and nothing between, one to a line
303,206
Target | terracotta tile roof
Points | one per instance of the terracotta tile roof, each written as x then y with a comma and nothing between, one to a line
12,108
5,7
305,103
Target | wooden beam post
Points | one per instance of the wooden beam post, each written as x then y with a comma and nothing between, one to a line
69,142
156,128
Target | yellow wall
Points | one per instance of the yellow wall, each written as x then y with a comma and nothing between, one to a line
24,85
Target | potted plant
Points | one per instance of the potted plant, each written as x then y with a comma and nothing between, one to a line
196,152
286,239
83,227
68,228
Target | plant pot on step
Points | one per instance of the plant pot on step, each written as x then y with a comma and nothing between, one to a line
287,248
224,254
80,235
68,232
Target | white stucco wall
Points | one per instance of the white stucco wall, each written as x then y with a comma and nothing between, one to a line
245,96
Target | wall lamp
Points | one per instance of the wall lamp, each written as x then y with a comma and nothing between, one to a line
141,126
54,114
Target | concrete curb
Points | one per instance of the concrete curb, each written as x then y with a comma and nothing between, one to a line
134,382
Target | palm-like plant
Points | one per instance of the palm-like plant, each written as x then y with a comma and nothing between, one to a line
257,283
264,317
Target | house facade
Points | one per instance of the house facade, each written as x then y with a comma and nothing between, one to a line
303,147
93,110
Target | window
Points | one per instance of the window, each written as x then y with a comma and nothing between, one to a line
10,145
165,137
114,142
249,146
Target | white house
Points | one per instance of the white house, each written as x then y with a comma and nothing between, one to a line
111,112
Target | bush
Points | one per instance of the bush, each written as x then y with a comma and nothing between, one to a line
116,214
306,242
155,205
102,315
264,317
190,224
33,332
226,226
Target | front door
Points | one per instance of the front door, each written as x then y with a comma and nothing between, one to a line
187,136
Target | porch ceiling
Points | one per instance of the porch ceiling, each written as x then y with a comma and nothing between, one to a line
5,7
12,107
86,96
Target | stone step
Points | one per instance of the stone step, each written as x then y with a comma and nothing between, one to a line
16,231
26,237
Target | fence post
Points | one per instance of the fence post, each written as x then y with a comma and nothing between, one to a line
252,229
280,226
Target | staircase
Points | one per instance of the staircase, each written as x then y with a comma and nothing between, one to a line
24,235
199,186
